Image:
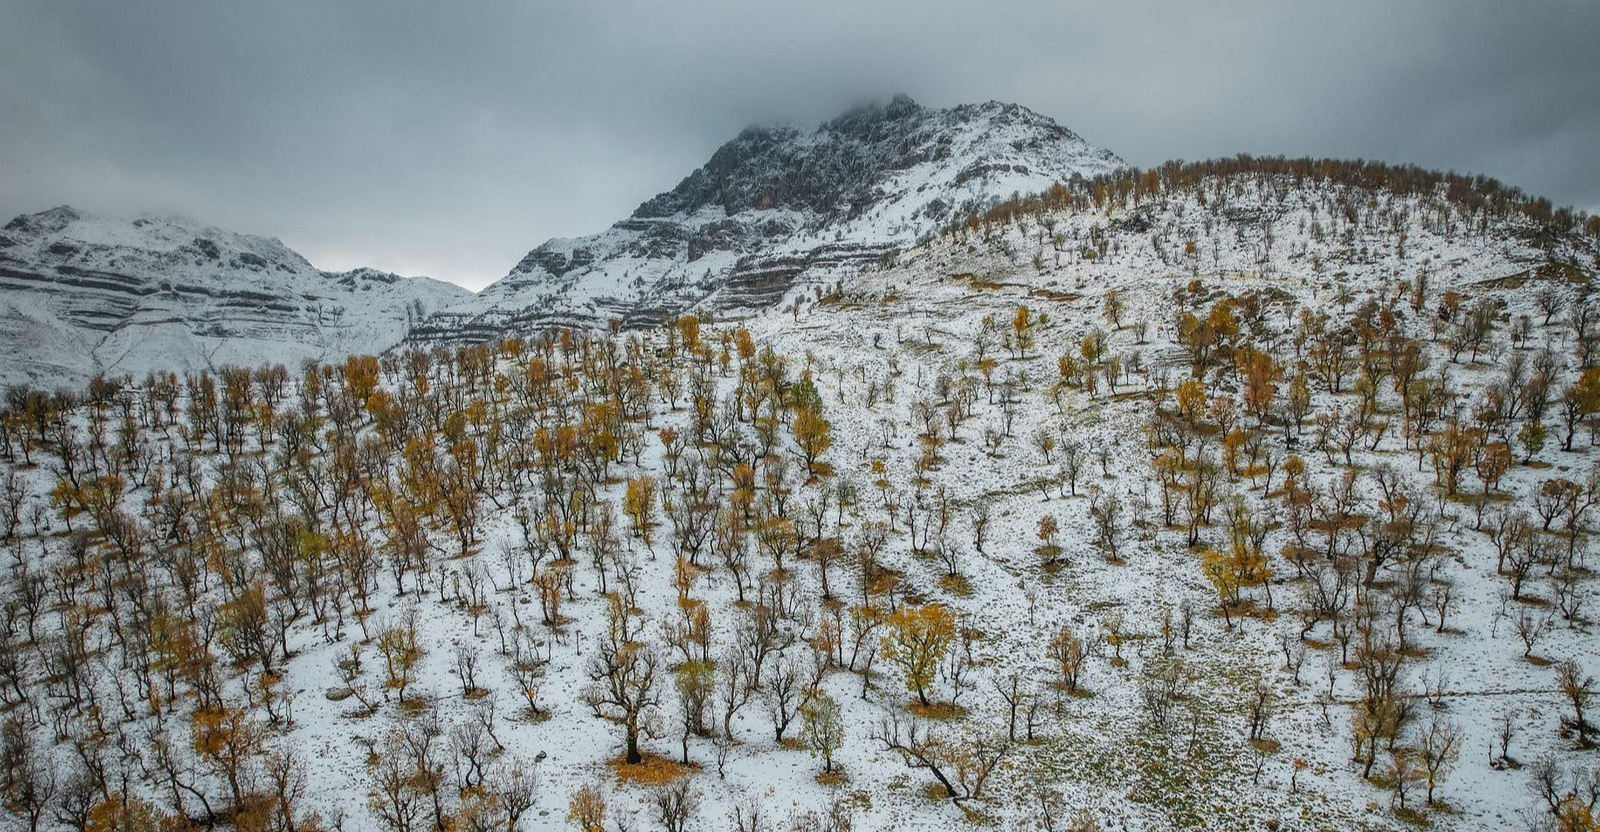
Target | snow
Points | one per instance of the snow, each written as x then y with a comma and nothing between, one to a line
906,324
966,157
87,295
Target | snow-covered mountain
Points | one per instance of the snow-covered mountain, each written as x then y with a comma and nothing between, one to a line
775,208
781,206
85,295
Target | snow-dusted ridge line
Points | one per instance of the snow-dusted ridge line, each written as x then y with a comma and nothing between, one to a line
85,295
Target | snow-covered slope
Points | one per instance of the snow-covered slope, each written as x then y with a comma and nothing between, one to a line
951,441
85,295
780,206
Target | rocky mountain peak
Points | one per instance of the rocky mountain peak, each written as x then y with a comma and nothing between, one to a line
836,165
44,222
778,205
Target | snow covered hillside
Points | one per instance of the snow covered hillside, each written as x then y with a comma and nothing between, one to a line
777,206
1256,494
83,295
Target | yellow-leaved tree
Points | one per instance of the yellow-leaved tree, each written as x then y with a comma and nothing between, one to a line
689,328
918,639
587,810
1022,329
814,436
639,503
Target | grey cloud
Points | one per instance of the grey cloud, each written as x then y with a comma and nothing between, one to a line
449,138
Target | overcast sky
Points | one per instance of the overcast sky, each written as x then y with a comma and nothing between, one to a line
448,139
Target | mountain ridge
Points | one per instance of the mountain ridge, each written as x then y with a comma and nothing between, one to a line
778,213
87,295
779,206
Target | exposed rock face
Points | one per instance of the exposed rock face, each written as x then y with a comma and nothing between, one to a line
83,295
779,207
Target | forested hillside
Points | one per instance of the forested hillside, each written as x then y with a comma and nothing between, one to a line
1252,494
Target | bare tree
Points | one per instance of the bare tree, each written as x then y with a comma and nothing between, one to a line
623,686
918,749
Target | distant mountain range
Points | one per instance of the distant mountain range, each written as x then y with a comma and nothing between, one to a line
776,207
85,295
775,213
